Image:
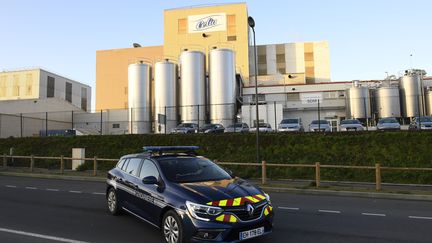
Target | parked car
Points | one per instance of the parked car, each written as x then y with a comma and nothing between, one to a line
187,197
184,128
390,123
291,125
238,127
263,127
319,126
422,123
212,128
351,125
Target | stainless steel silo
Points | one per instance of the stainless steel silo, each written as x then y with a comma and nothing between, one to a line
222,86
192,87
387,102
139,98
165,96
359,103
410,87
428,99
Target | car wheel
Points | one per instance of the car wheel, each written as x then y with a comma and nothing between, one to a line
172,229
112,202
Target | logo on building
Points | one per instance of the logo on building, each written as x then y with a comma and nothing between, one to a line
207,23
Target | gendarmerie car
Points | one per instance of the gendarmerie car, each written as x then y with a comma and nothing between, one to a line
188,197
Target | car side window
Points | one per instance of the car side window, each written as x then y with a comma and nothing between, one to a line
120,164
148,168
133,166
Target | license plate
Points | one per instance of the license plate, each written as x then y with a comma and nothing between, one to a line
251,233
351,129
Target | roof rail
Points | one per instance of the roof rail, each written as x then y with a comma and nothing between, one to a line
161,149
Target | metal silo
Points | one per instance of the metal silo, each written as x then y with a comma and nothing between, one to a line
192,87
428,99
222,86
359,102
387,102
410,88
165,96
139,98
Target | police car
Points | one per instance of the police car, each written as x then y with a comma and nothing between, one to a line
187,197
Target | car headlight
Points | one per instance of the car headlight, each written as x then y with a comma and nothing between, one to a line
267,197
202,212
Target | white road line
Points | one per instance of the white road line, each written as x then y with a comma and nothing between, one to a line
47,237
75,191
98,193
374,214
52,190
287,208
419,217
30,188
10,186
328,211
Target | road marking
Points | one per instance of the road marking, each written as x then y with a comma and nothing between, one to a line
75,191
374,214
47,237
10,186
52,190
287,208
419,217
328,211
30,188
98,193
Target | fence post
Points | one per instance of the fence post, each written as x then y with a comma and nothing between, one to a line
4,161
95,166
61,165
32,163
263,172
378,176
317,174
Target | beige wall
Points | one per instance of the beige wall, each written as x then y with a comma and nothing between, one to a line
234,35
112,73
17,85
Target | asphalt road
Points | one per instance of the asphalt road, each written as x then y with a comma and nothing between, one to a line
48,210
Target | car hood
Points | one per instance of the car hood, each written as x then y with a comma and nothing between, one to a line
321,126
209,191
289,125
389,125
351,125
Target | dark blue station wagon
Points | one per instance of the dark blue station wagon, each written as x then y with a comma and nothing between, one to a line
188,197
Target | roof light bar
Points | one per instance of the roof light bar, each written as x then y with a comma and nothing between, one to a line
153,149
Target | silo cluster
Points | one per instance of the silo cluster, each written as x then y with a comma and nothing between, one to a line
183,92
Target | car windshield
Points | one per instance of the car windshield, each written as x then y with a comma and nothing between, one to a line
388,120
344,122
424,119
237,125
208,126
191,169
264,125
319,122
185,125
289,121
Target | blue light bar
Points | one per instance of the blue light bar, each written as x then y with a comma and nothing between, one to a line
151,149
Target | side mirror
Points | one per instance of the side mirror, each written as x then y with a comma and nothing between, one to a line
150,180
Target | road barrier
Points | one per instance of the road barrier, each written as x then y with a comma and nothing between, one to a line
317,166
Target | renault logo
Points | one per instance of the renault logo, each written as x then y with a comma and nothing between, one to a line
250,209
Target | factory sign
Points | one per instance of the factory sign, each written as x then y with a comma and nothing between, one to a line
311,98
207,23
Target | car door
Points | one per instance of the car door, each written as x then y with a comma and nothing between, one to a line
129,182
151,195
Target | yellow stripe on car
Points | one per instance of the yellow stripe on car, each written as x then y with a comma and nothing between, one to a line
222,203
237,201
220,218
233,219
250,198
261,196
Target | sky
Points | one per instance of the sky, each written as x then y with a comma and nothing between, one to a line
367,38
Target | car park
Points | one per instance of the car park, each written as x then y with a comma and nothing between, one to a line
422,123
351,125
263,127
319,126
187,196
212,128
389,123
291,125
238,127
184,128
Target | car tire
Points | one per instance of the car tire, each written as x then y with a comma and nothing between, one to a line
113,202
172,228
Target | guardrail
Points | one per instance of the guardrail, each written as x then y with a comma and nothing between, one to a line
264,165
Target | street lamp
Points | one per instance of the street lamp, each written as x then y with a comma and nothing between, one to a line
251,23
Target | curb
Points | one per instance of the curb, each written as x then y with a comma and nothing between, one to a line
378,195
57,177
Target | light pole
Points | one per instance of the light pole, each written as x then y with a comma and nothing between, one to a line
251,23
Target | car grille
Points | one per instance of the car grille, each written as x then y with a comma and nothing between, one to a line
243,214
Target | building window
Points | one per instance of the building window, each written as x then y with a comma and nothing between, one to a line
16,87
231,25
182,26
84,99
50,87
232,38
261,97
116,125
282,70
262,70
293,97
29,84
3,86
262,59
68,95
